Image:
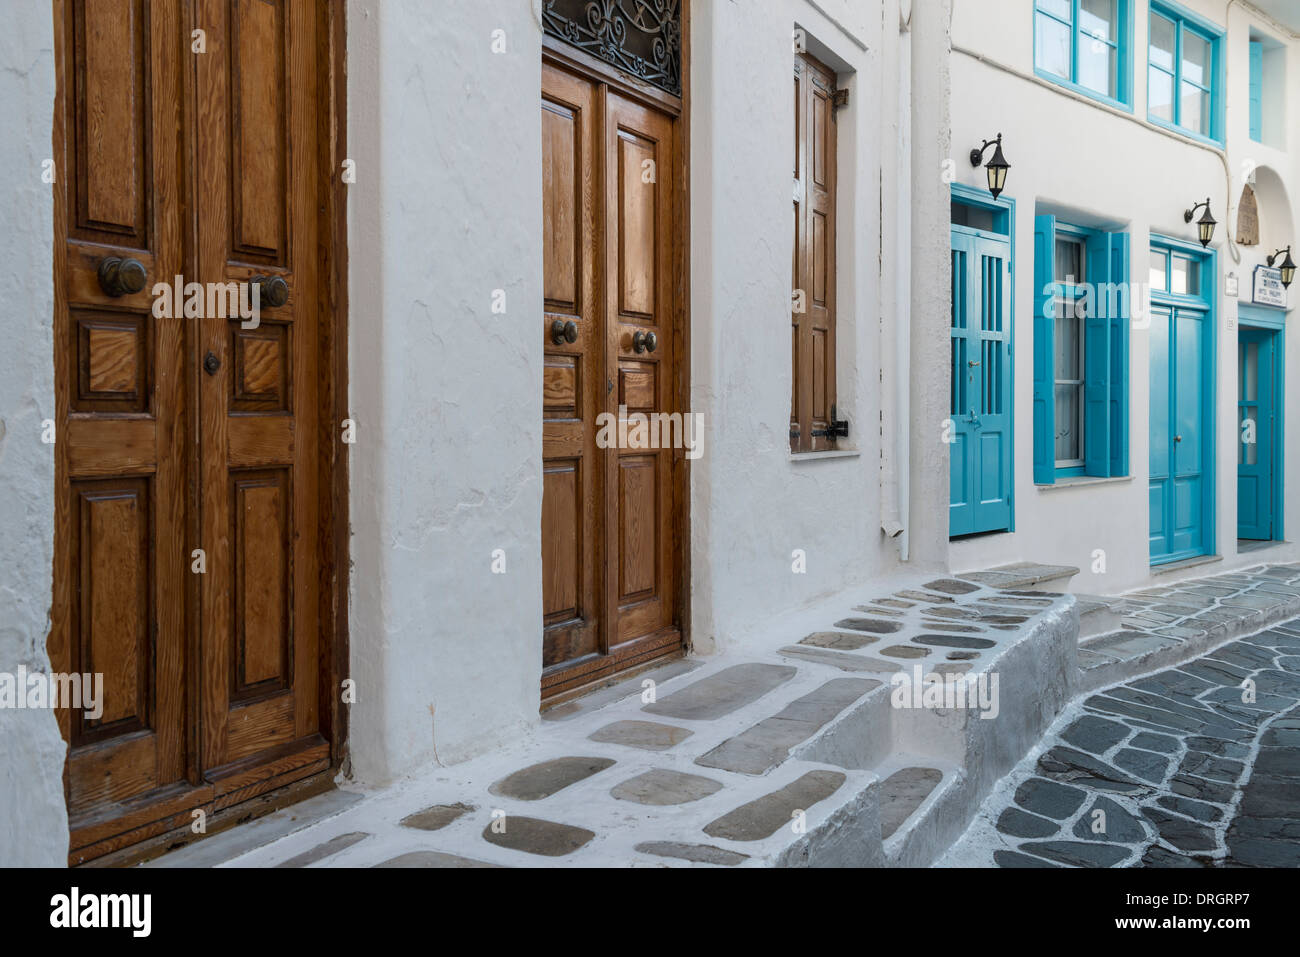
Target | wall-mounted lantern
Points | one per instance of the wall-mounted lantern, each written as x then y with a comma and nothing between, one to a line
1205,225
1287,267
997,167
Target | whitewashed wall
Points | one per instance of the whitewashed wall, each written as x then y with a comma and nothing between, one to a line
1095,166
33,820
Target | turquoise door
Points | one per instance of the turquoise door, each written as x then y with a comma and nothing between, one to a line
980,386
1179,492
1257,417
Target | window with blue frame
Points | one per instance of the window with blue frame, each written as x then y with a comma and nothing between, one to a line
1083,44
1081,342
1257,91
1184,58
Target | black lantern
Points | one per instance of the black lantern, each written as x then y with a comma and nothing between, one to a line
1287,267
1205,225
997,167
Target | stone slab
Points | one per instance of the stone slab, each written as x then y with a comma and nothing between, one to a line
535,836
547,777
645,735
722,692
435,818
902,793
433,859
763,746
695,853
766,815
327,849
660,787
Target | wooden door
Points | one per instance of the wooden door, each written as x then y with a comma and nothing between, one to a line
1181,508
1257,414
191,558
980,388
256,184
611,512
122,401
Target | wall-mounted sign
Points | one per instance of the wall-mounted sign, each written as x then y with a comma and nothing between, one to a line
1230,286
1268,288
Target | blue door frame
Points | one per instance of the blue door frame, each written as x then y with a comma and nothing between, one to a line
1261,365
1181,341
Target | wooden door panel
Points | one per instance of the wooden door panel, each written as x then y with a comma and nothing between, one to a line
121,561
573,376
641,516
260,634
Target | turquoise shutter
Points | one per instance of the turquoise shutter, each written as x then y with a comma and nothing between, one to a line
1120,324
1256,91
1044,350
1097,357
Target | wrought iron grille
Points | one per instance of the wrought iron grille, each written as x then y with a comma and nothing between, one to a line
642,37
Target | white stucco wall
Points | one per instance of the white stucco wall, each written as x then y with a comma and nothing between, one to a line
753,504
1095,166
447,395
33,819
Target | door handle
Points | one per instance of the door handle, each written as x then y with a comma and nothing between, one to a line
211,363
973,363
562,332
272,291
644,342
1178,438
120,277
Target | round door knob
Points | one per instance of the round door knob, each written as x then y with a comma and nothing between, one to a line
1178,438
272,291
562,332
211,363
645,342
121,277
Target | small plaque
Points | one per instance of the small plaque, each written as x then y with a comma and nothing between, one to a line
1268,289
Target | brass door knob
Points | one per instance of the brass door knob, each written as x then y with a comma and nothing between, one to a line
562,332
644,342
272,291
121,277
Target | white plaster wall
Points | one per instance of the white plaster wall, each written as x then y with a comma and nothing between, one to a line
447,208
1095,166
752,503
33,819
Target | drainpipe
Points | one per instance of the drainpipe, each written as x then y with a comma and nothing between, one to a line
895,295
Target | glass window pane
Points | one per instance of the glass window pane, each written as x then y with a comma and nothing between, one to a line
1097,66
1249,454
1159,281
1194,112
1069,261
1060,8
1196,59
1186,277
1097,18
1069,432
1052,46
1160,95
1250,372
1162,42
1067,342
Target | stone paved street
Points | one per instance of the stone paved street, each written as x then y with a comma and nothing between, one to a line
1181,768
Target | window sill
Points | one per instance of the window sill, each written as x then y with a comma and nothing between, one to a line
1082,90
1075,481
828,454
1201,138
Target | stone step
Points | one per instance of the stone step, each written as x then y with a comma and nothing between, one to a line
1025,576
1097,615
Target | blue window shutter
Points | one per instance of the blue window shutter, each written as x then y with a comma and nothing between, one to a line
1096,358
1044,350
1120,324
1256,91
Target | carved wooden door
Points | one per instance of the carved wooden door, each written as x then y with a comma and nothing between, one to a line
611,554
190,539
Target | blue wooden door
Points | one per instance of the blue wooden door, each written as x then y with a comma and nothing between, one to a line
1179,434
980,384
1256,421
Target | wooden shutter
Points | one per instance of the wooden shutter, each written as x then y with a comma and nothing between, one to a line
1044,350
813,292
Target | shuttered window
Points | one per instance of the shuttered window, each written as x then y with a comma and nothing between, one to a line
812,300
1081,342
